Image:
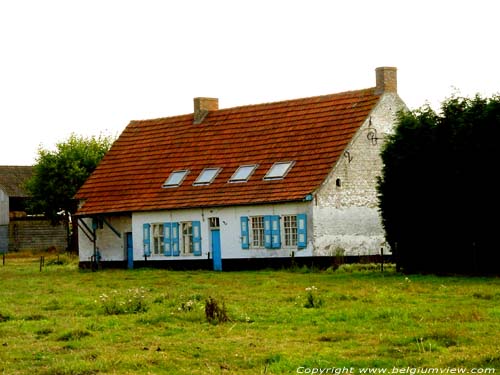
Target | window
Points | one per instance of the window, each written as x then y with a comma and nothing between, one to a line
257,231
290,230
157,238
175,178
186,238
279,170
243,173
273,231
207,176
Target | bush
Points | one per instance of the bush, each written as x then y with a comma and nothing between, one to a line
438,187
215,312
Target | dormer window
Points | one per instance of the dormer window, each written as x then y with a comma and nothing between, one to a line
175,179
243,173
279,170
207,176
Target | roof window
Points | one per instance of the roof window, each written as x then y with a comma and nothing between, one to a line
175,178
279,170
243,173
207,176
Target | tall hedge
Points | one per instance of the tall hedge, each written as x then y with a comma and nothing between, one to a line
439,192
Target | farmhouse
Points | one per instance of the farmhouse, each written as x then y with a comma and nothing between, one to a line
244,187
18,230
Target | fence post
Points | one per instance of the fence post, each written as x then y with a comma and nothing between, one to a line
382,259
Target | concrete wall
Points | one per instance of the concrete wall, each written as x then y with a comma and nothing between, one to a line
4,208
36,234
346,215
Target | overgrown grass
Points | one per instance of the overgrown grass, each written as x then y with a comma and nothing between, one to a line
273,322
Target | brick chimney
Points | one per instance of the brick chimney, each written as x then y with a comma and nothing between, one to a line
387,80
202,106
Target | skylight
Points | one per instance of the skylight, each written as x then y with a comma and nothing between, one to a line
207,176
279,170
175,178
243,173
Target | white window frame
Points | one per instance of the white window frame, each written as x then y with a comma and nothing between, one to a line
272,172
246,177
289,231
186,243
256,232
199,181
157,238
173,180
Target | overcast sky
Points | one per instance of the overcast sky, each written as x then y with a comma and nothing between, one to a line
89,67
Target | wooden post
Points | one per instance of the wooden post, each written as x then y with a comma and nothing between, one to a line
41,262
3,259
382,257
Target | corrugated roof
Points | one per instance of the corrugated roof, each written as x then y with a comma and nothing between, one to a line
13,179
313,132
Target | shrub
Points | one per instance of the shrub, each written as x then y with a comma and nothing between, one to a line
215,312
312,298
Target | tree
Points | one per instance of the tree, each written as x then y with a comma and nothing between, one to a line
437,193
59,174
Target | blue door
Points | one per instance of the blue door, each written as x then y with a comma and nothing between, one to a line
216,253
130,251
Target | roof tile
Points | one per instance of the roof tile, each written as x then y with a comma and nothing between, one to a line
313,132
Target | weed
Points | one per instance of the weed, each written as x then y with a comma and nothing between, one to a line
4,317
215,312
132,301
53,305
74,335
312,298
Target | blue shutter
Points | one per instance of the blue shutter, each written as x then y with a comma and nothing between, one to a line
196,238
167,239
267,232
302,230
174,241
146,235
244,232
275,232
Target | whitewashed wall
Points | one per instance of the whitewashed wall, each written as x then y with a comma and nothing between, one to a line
230,234
110,246
346,217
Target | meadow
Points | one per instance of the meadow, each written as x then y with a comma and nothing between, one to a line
62,320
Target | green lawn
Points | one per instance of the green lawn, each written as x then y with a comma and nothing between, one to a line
66,321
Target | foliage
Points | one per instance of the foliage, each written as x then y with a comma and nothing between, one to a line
312,298
59,174
438,187
131,301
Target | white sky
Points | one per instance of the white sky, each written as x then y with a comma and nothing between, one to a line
89,67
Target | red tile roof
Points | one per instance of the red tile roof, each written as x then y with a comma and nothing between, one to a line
313,132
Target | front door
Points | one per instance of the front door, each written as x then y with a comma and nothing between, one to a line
216,254
130,251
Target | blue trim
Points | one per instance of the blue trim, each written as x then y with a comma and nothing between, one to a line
146,235
268,243
245,243
175,239
301,231
167,239
196,226
275,232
